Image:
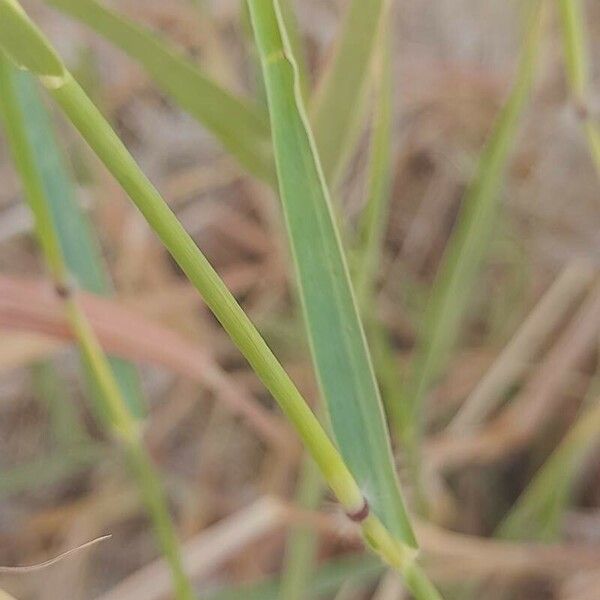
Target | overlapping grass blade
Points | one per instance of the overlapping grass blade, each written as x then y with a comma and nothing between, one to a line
301,546
291,25
113,407
576,62
538,511
371,227
87,119
340,96
80,249
374,218
470,240
240,127
336,336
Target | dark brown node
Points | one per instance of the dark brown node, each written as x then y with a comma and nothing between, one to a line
360,515
62,290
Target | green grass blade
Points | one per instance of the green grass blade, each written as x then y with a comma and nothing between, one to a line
241,128
112,405
25,45
326,580
470,240
372,224
577,68
339,100
90,123
297,43
79,247
537,513
337,340
571,14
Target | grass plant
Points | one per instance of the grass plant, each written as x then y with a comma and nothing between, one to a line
449,299
121,421
298,139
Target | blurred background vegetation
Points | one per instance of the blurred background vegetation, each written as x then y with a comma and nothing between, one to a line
521,381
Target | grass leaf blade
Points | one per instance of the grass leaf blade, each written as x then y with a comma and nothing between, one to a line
469,242
339,99
241,128
577,69
335,332
79,247
536,514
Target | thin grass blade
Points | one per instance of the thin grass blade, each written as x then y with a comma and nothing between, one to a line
112,406
335,332
470,240
371,227
292,27
538,511
577,68
339,100
238,125
79,247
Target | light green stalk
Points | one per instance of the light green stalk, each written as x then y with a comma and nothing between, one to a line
340,354
576,63
338,345
106,144
123,423
90,123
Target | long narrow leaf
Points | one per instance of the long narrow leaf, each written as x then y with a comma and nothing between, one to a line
238,126
79,247
537,513
112,404
374,218
339,349
339,100
470,240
